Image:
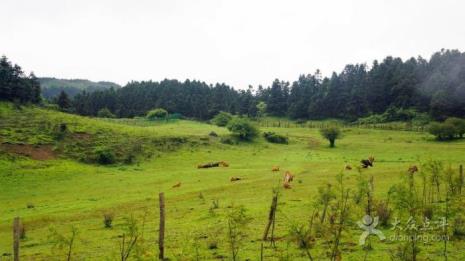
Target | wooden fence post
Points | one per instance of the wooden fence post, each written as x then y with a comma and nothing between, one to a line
161,235
271,217
462,181
16,239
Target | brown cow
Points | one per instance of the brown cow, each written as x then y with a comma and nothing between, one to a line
232,179
348,167
177,185
275,168
288,177
224,164
412,169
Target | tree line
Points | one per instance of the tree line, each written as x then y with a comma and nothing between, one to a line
435,87
16,86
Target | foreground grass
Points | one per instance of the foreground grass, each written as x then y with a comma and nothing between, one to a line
65,192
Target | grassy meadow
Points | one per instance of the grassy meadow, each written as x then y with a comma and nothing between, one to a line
65,188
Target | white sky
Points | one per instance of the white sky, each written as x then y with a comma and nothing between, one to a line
239,42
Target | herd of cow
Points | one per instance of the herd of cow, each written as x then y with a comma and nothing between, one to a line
288,176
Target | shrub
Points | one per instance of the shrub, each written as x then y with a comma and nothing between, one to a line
331,133
458,226
222,119
428,212
459,125
442,131
396,114
108,220
383,212
105,113
104,156
242,128
60,131
275,138
156,114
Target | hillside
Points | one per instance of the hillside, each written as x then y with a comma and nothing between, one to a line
32,129
51,87
54,193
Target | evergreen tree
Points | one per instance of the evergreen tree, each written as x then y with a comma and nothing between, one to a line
63,101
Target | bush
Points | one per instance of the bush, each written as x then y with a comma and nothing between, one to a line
275,138
108,220
383,212
242,128
331,133
157,114
459,125
222,119
105,113
104,156
442,131
396,114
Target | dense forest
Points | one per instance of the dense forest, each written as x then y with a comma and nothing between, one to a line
17,87
435,86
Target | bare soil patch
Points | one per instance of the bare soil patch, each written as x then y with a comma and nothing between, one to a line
39,152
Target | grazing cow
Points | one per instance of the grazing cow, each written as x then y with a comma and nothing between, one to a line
177,185
348,167
232,179
412,169
367,162
288,177
275,168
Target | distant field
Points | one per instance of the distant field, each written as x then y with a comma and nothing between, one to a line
62,191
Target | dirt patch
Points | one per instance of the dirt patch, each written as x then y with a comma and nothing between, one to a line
40,152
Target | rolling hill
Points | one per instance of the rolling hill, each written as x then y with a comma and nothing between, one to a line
49,178
51,87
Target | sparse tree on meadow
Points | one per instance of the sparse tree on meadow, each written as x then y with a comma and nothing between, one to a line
331,133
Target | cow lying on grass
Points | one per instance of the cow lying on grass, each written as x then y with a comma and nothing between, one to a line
213,164
232,179
275,168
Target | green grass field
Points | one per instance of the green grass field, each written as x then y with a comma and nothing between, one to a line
63,191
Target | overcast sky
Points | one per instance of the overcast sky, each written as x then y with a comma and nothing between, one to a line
237,42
